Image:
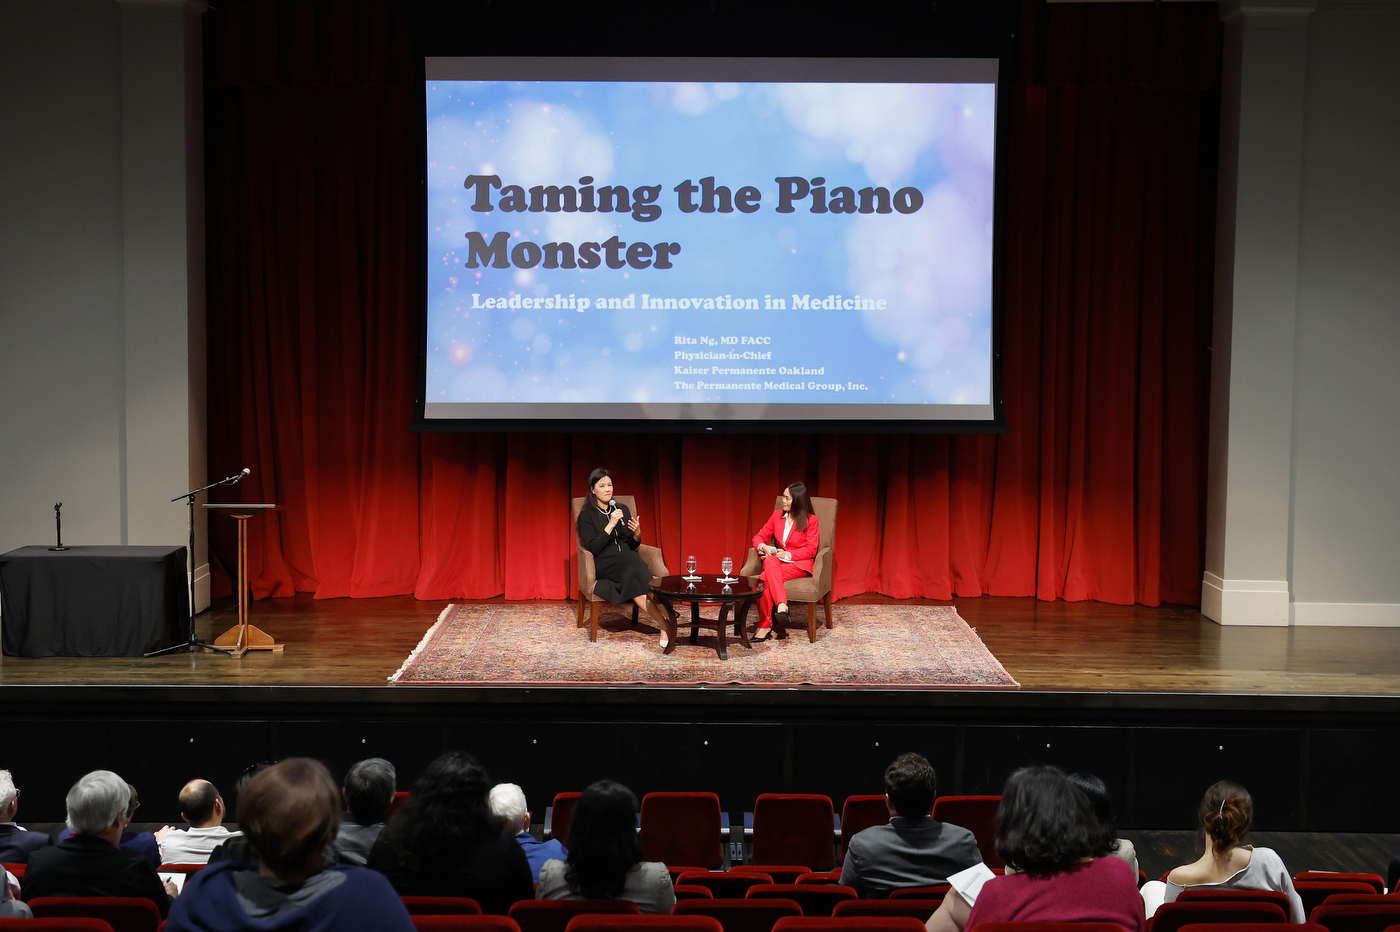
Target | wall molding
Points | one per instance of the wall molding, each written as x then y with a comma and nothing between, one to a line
1347,614
1245,601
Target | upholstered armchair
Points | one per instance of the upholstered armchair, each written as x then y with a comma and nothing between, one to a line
810,589
587,576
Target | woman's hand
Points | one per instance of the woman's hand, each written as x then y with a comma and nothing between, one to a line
614,516
635,526
783,555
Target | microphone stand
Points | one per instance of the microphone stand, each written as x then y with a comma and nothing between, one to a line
193,643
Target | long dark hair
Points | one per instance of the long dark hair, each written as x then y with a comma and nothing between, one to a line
801,505
1096,791
446,814
603,843
1046,824
1226,814
593,478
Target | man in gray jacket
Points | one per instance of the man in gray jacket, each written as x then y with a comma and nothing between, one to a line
911,850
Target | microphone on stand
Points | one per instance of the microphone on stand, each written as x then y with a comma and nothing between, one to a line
237,477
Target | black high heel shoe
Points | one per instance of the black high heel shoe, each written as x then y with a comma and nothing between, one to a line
781,618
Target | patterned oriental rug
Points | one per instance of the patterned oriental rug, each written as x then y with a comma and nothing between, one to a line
870,646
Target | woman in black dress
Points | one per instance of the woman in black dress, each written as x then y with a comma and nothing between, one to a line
612,535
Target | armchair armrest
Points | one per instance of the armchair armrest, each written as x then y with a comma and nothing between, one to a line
752,566
653,559
587,574
821,570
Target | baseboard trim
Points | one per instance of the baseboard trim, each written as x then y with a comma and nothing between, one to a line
1347,614
1245,601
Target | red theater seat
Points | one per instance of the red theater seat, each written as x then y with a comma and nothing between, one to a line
919,909
16,869
70,924
1375,880
825,877
727,886
682,828
740,915
793,829
619,923
396,804
441,906
462,922
1252,927
848,924
1276,897
675,870
781,873
692,892
936,892
814,900
554,915
122,913
1357,917
562,816
858,813
1314,893
1171,917
977,814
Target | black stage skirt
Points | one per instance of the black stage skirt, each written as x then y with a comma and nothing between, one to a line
622,575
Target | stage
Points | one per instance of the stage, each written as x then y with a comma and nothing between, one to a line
1160,702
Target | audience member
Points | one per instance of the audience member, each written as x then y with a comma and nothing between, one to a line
445,841
1049,837
203,808
289,813
143,843
1097,793
89,862
16,842
605,857
508,803
368,791
10,906
1226,814
911,850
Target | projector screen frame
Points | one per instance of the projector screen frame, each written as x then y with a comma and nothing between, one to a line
695,68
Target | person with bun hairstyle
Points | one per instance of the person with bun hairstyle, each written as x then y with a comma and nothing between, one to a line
1226,814
1059,863
788,546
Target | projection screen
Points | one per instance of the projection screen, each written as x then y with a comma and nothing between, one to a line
709,243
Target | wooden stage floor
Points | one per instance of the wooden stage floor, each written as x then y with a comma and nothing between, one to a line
1060,646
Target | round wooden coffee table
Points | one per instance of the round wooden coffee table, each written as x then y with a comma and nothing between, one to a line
707,590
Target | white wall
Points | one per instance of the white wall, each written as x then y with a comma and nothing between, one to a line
101,395
1303,519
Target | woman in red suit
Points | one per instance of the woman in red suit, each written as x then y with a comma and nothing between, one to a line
788,545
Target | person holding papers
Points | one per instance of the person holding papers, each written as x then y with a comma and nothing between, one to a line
1059,864
787,544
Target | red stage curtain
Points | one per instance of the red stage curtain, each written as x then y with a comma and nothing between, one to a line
1096,493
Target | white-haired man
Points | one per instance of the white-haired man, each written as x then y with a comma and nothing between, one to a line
88,862
16,842
508,802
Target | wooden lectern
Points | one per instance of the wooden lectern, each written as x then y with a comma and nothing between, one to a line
243,637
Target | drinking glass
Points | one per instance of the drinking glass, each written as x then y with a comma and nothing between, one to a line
690,565
726,565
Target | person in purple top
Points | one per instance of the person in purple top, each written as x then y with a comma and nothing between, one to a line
508,803
289,813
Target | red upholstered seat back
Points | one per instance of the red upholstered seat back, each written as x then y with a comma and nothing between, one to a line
462,922
1276,897
936,892
1252,927
781,873
919,909
122,913
858,814
441,906
977,814
1375,880
1314,893
619,923
793,829
1357,917
68,924
562,818
396,804
685,891
554,915
1045,927
728,886
740,915
814,900
682,828
1170,917
848,924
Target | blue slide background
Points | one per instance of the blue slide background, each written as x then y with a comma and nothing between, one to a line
931,344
